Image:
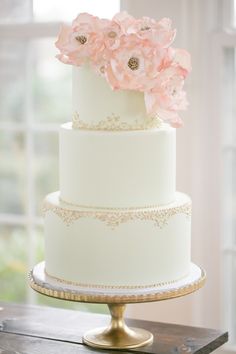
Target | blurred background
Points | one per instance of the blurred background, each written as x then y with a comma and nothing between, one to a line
35,97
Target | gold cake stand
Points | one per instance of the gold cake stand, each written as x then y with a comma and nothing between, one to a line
117,335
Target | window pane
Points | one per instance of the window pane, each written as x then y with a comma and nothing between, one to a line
50,11
230,197
13,263
229,101
229,147
229,187
12,173
12,88
233,11
15,11
51,84
39,244
45,166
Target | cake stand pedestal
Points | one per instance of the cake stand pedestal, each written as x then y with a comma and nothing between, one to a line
117,335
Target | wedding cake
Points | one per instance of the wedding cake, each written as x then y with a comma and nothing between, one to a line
118,220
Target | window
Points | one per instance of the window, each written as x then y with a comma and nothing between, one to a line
225,49
35,97
229,183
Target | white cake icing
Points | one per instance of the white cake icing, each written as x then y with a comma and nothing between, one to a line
117,169
95,101
85,248
117,219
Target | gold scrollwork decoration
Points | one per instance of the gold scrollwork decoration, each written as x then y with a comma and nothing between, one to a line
114,123
115,217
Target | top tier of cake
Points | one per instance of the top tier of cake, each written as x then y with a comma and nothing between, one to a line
97,107
126,74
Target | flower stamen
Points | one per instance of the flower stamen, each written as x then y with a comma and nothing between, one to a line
81,39
145,28
102,69
112,34
133,63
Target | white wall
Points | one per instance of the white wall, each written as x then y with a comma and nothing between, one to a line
198,157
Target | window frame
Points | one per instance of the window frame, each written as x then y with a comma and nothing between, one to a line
28,32
222,39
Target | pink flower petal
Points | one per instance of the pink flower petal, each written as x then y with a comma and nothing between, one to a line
64,59
62,40
182,58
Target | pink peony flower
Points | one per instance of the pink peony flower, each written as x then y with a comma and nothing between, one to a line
112,34
167,96
134,65
124,20
158,33
111,37
131,54
81,41
86,23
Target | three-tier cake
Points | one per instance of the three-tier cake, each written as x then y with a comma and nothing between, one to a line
118,220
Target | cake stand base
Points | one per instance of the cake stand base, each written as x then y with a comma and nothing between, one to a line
118,335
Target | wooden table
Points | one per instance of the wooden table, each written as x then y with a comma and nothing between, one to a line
43,330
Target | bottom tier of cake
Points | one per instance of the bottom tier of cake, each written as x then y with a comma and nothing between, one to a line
117,247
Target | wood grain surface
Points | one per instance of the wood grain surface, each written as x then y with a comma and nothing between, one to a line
28,329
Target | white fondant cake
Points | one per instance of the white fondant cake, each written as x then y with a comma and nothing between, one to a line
117,169
133,247
117,220
126,106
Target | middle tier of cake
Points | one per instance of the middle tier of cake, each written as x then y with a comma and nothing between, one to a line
114,169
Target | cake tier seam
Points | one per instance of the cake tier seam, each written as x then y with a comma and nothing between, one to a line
114,218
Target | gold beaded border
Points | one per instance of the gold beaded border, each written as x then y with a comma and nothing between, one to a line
96,286
114,218
114,123
121,299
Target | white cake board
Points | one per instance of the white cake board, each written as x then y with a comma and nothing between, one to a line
50,286
117,335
